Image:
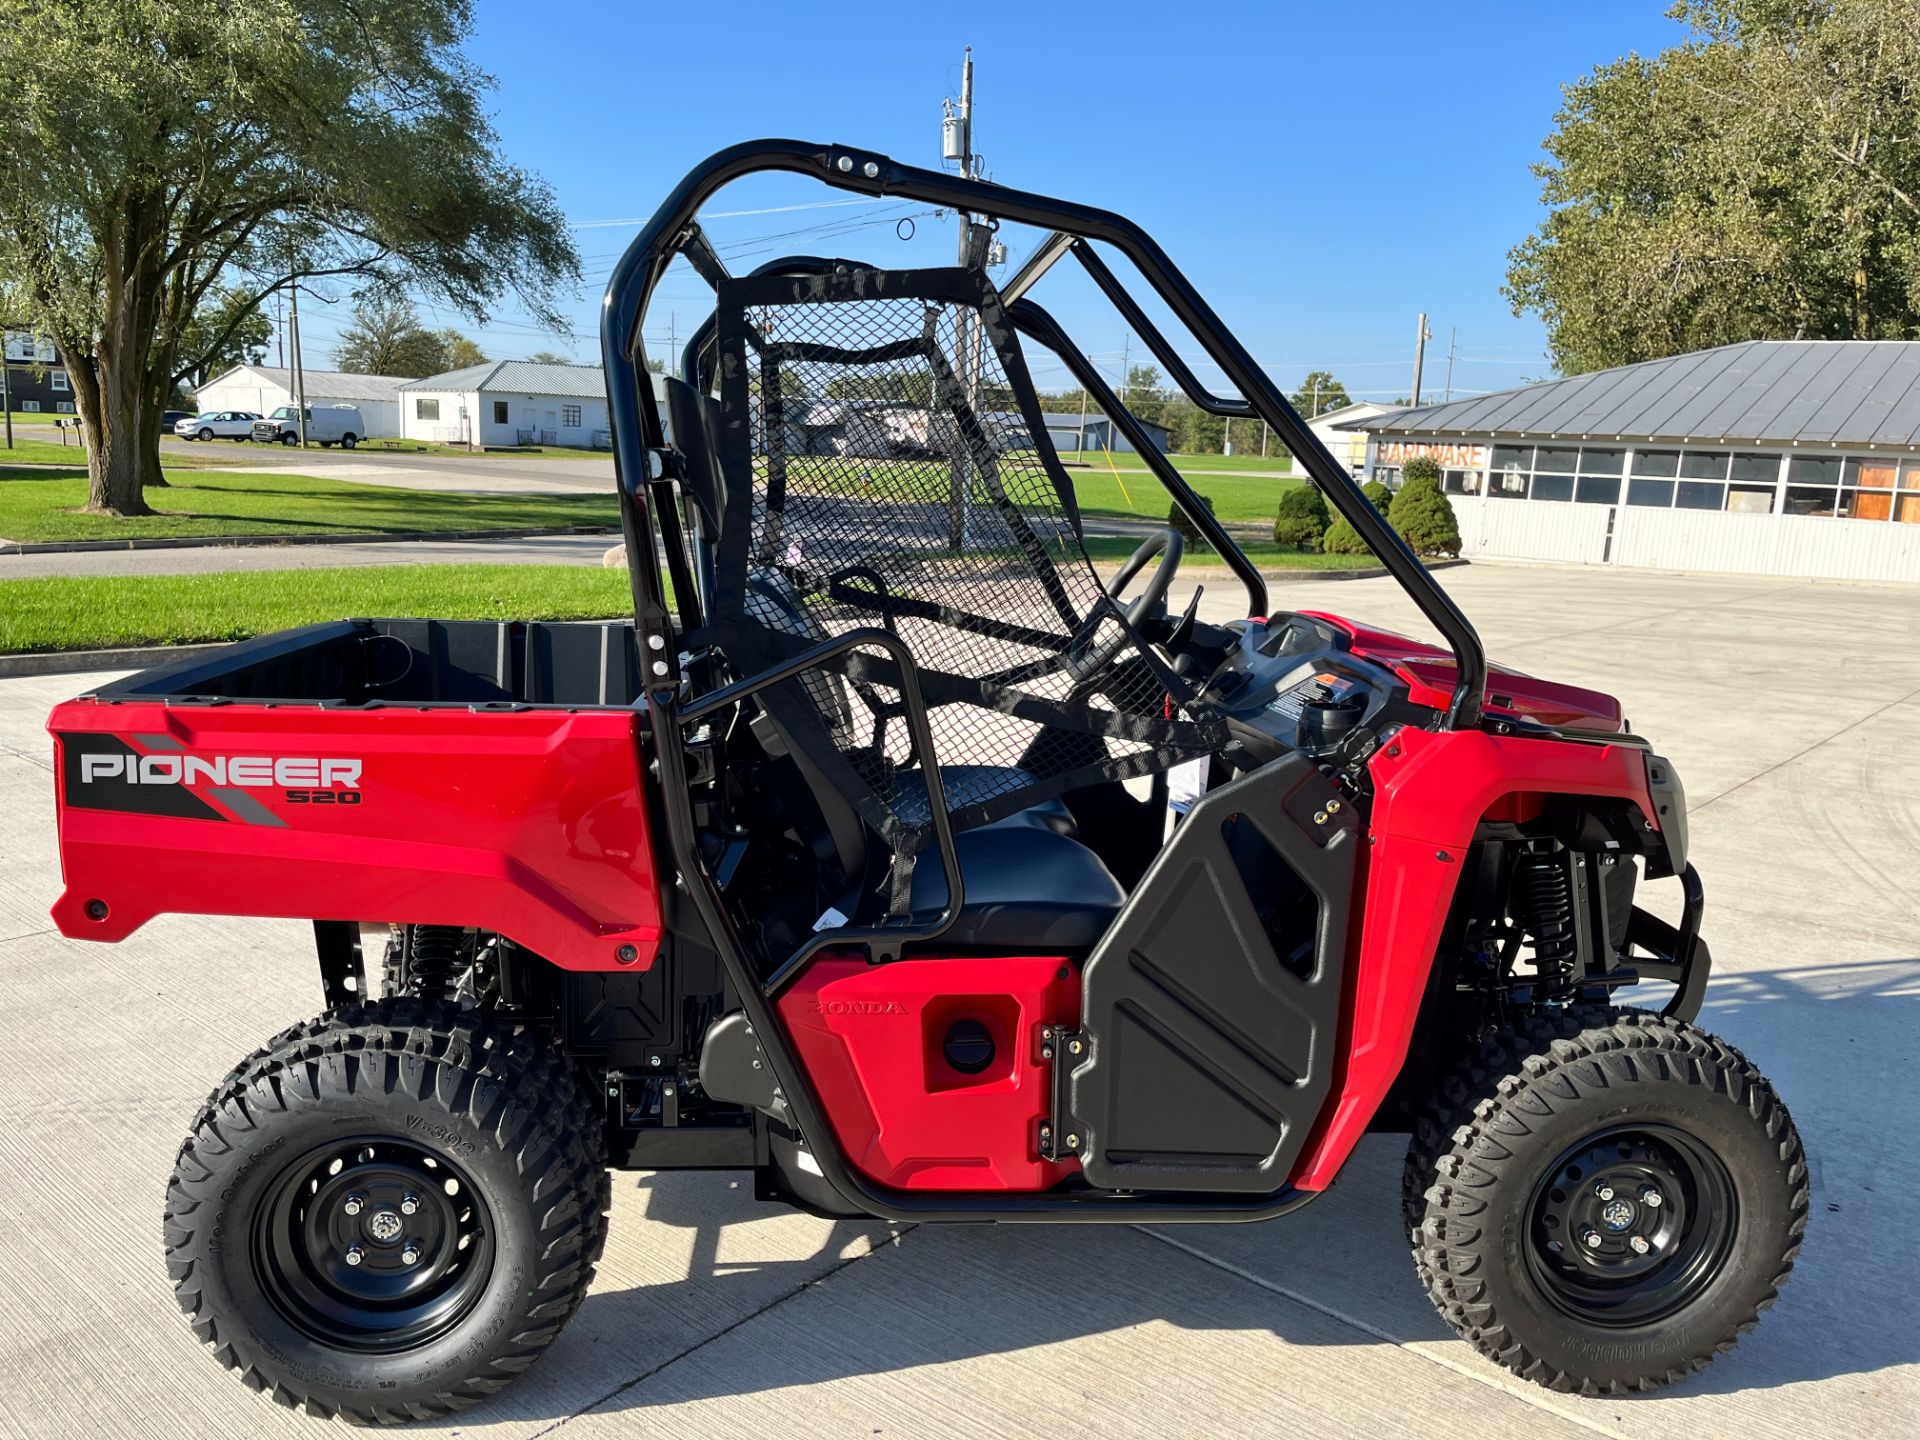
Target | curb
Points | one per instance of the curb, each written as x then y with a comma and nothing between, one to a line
66,662
214,542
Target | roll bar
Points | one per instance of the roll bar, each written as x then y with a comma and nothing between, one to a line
673,230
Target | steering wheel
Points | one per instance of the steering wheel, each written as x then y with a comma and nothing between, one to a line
1170,547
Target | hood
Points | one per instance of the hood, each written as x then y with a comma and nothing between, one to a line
1430,674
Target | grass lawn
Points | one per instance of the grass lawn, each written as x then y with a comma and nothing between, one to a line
44,504
52,452
1185,464
1112,549
434,447
1137,495
90,613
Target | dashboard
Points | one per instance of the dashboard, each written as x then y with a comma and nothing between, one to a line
1291,683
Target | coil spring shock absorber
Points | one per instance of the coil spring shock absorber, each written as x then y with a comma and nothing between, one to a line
1543,903
433,958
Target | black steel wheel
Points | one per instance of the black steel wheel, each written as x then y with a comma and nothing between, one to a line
1630,1224
1604,1200
388,1213
372,1244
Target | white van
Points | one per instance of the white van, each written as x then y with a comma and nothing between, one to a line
327,424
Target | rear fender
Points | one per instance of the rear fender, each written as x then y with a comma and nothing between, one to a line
1431,790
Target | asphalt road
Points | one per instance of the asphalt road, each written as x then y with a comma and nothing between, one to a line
1788,708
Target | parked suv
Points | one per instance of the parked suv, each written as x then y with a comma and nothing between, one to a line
223,424
327,424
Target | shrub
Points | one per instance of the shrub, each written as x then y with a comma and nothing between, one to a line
1342,539
1378,495
1424,517
1302,519
1177,520
1420,467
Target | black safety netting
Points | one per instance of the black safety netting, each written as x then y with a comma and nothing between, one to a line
901,477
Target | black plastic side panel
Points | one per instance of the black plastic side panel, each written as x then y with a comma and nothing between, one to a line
1212,1003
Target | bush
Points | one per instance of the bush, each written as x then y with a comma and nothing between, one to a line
1342,539
1378,495
1177,520
1302,519
1420,467
1424,517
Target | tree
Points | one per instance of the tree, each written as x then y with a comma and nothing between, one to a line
547,357
227,330
1760,182
152,153
1318,394
457,351
1423,515
1177,520
1302,517
387,338
1342,539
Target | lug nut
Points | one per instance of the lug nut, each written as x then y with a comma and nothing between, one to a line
1651,1198
1590,1237
410,1254
355,1255
1638,1244
355,1204
410,1204
1605,1192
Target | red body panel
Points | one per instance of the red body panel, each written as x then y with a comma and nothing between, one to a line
870,1038
528,822
1431,789
1429,675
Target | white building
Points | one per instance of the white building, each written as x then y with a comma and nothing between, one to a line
1772,457
509,402
1333,429
265,388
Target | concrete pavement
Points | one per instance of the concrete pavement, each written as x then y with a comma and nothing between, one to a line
1789,709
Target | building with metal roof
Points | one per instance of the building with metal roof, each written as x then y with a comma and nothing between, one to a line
508,402
262,389
1791,457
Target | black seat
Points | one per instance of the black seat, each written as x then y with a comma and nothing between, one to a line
1027,888
969,784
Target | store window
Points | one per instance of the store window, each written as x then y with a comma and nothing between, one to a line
1507,475
1703,476
1652,481
424,409
1813,484
1868,490
1460,482
1752,483
1600,472
1906,509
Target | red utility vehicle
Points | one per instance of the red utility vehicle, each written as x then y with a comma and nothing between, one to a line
849,864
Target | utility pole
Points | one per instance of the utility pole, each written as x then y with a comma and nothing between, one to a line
956,143
1453,333
6,386
299,371
1421,334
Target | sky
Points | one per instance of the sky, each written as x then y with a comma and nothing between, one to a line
1322,172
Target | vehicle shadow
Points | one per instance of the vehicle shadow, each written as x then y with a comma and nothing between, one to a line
1335,1274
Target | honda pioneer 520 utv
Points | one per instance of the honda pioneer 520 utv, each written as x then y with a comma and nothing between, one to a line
849,864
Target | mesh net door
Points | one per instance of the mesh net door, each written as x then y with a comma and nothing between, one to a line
886,465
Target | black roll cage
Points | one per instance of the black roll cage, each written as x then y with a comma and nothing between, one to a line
646,486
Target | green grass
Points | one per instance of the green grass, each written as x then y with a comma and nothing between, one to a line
92,613
1136,494
1126,461
435,447
1112,549
44,505
52,452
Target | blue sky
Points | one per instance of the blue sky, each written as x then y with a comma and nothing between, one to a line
1323,172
